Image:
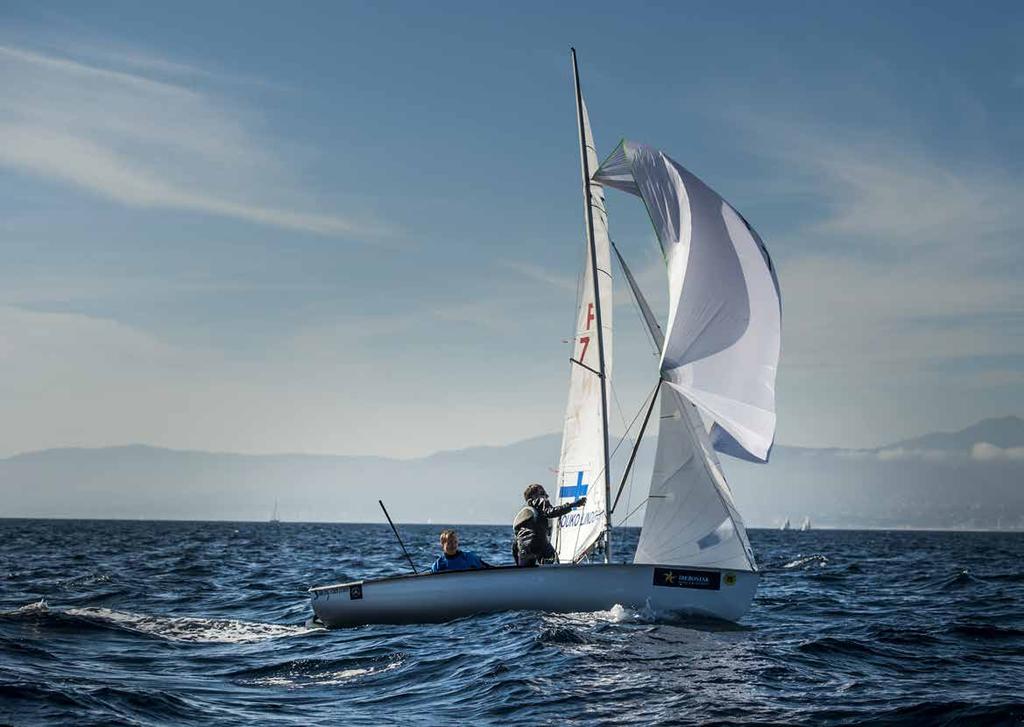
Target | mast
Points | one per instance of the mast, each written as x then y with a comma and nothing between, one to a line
597,310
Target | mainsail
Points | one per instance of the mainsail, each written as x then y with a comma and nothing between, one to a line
720,353
581,468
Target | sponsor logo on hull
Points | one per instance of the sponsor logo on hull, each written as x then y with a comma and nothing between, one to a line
679,578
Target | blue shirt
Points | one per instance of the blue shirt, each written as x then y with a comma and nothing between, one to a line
462,560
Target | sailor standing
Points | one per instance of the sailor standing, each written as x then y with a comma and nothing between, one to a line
531,529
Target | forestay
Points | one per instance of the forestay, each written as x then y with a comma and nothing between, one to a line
724,325
581,465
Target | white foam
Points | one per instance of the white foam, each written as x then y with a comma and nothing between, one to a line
808,561
39,607
615,614
321,679
621,614
185,628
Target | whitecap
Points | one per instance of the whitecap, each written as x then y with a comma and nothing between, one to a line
186,628
807,561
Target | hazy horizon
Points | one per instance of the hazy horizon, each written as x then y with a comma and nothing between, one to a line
965,480
648,437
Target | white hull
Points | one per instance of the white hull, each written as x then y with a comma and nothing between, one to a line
680,590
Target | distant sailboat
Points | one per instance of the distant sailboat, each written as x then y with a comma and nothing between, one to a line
274,518
716,380
785,525
806,524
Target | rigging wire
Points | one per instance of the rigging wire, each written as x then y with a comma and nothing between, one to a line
633,511
629,492
655,349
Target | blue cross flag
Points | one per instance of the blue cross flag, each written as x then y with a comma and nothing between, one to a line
575,491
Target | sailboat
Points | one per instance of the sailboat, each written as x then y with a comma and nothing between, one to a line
716,381
806,524
274,518
786,525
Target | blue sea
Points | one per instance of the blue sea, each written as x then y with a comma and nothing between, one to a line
171,623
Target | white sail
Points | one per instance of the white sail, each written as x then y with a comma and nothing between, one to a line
720,351
582,463
724,325
691,518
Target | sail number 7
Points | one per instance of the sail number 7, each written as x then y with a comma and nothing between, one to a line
585,340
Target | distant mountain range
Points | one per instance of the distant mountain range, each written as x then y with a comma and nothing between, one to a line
971,479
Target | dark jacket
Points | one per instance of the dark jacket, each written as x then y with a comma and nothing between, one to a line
532,530
462,560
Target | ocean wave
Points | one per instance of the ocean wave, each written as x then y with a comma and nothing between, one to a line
831,645
561,635
961,579
299,673
87,579
902,636
25,691
932,713
171,628
807,561
985,631
1006,577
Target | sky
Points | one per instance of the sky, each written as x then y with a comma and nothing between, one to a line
355,228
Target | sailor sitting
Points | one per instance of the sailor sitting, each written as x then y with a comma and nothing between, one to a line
454,559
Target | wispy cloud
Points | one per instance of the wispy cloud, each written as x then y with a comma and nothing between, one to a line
887,188
898,195
908,261
900,259
146,142
541,274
